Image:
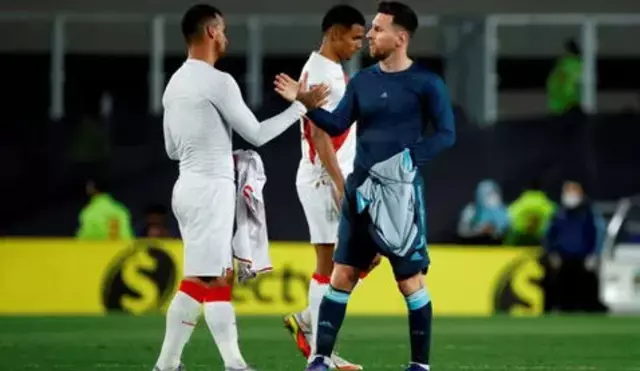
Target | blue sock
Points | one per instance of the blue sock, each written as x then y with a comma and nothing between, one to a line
332,310
420,315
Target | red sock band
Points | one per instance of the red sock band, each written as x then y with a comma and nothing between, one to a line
323,280
220,293
363,275
194,289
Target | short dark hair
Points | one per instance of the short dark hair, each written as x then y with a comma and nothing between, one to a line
195,18
403,15
342,15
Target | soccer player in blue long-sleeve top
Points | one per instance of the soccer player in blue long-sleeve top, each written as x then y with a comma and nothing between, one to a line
392,102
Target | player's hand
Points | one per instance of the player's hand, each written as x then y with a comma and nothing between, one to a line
245,273
287,87
291,90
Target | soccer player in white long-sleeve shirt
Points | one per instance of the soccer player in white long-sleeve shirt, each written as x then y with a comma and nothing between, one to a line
202,105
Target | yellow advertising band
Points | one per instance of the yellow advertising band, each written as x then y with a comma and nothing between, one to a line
72,277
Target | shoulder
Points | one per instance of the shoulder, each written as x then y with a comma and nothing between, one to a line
363,75
206,74
366,72
86,210
220,83
429,80
221,76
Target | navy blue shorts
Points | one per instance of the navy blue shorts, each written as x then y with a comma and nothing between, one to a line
356,247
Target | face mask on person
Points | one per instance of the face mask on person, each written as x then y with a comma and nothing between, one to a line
571,200
493,200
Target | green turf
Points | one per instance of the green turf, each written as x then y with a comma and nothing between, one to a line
500,343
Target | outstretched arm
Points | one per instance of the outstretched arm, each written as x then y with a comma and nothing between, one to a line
439,110
337,122
234,110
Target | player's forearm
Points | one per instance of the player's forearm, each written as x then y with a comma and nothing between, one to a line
427,148
330,122
441,111
327,155
277,124
259,133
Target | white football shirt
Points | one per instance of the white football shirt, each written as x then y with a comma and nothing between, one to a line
202,105
319,70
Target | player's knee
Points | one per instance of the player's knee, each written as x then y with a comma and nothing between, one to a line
412,284
344,277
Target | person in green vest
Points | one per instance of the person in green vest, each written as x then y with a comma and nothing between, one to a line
103,218
564,81
529,215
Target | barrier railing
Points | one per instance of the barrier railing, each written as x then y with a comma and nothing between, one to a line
256,24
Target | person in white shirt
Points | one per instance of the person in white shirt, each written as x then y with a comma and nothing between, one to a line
324,165
202,105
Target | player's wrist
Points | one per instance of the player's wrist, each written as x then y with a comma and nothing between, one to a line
300,107
338,183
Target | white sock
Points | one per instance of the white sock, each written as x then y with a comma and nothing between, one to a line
182,317
221,319
426,367
306,316
316,293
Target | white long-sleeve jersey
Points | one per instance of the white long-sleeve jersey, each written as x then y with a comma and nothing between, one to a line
202,105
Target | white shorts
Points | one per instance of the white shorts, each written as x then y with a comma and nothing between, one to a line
205,211
322,216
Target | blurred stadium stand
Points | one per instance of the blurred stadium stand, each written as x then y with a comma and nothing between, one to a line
41,188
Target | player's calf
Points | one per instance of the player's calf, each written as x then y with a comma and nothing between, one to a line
319,283
420,317
182,317
333,309
221,320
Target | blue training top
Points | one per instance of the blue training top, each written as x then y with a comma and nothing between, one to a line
392,111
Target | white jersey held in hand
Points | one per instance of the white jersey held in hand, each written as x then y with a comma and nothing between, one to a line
202,105
313,182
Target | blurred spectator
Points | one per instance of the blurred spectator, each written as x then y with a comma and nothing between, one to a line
91,143
563,83
529,216
103,218
572,245
484,221
155,223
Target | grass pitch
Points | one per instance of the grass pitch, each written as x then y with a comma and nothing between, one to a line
379,343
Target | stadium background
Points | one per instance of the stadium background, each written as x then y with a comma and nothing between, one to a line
107,49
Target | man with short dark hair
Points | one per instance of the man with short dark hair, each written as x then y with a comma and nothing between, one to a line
324,165
202,106
383,209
